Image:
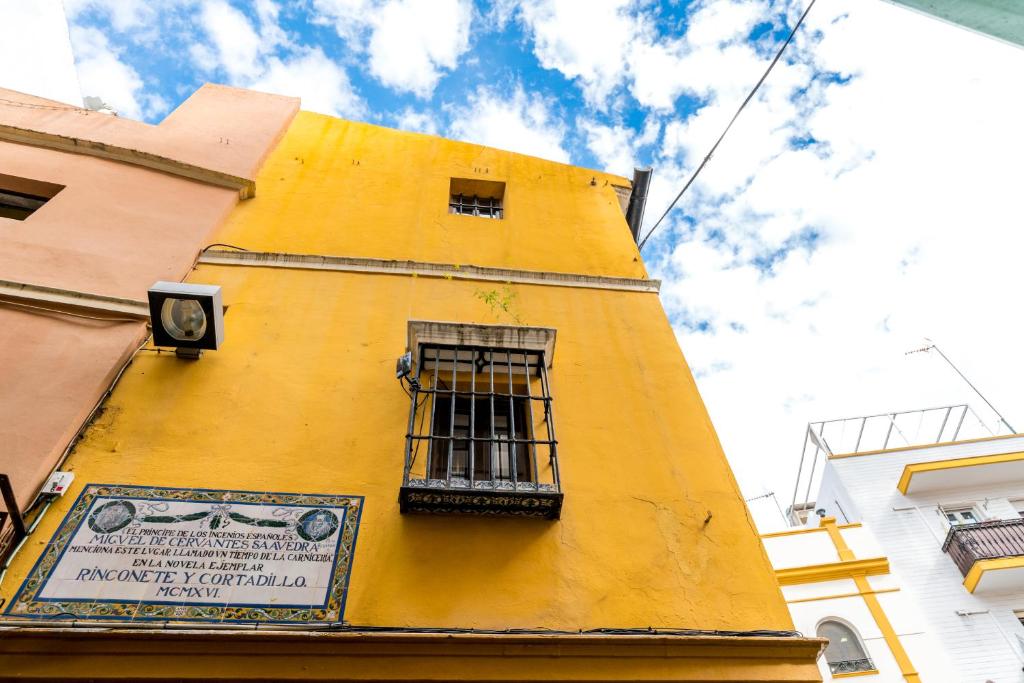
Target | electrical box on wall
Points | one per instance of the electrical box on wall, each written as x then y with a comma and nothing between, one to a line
58,483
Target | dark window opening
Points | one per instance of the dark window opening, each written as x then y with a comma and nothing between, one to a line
491,439
482,198
21,197
484,207
18,205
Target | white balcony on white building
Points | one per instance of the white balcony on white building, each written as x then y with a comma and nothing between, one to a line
943,494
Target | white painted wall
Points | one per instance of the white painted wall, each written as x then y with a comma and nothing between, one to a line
862,542
983,646
811,603
800,550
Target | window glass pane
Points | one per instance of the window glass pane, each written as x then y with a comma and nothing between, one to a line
843,645
961,516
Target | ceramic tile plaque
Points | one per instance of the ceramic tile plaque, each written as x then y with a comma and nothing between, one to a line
148,553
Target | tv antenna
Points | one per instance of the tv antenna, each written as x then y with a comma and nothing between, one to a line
932,346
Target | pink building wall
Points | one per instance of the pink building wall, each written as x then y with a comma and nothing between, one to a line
114,229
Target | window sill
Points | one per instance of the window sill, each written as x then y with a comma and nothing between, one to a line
851,674
538,500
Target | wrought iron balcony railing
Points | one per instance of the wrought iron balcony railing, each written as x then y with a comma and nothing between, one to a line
481,436
851,666
968,543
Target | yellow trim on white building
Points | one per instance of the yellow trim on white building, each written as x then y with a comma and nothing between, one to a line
906,479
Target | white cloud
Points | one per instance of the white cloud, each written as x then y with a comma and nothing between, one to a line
103,74
259,55
583,40
907,175
236,43
124,14
612,145
419,121
321,82
521,124
414,40
715,23
610,44
349,18
410,43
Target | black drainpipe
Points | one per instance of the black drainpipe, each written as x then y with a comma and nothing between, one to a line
638,200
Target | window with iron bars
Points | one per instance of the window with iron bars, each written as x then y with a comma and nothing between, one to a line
472,205
481,422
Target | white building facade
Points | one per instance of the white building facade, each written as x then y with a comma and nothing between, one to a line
947,517
838,584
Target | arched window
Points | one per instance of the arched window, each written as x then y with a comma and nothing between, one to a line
845,653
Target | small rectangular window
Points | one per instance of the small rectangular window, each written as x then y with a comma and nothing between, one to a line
961,515
21,197
482,198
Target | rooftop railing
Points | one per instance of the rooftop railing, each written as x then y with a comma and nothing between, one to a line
880,432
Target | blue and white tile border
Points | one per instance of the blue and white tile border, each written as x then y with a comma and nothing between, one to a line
27,603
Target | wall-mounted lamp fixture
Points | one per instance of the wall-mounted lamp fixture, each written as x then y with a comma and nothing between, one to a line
188,317
403,366
403,371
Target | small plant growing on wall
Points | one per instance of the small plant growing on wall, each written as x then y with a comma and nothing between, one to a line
502,303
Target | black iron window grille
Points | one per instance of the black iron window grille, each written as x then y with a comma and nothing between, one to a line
472,205
845,652
851,666
481,437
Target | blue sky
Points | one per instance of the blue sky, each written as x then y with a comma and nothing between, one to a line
177,48
867,198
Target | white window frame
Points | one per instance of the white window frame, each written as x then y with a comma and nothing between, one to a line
958,511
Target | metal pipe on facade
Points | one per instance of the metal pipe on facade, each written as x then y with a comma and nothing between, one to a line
638,200
28,532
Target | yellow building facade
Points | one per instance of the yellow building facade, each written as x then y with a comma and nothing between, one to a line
541,497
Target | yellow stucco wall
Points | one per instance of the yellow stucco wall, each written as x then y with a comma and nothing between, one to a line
352,189
302,397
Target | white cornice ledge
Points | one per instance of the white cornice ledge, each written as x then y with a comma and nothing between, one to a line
424,269
23,136
477,334
58,300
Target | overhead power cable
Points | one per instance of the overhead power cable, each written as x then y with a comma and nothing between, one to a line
735,116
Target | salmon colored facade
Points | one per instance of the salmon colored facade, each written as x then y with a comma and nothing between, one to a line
618,549
131,212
